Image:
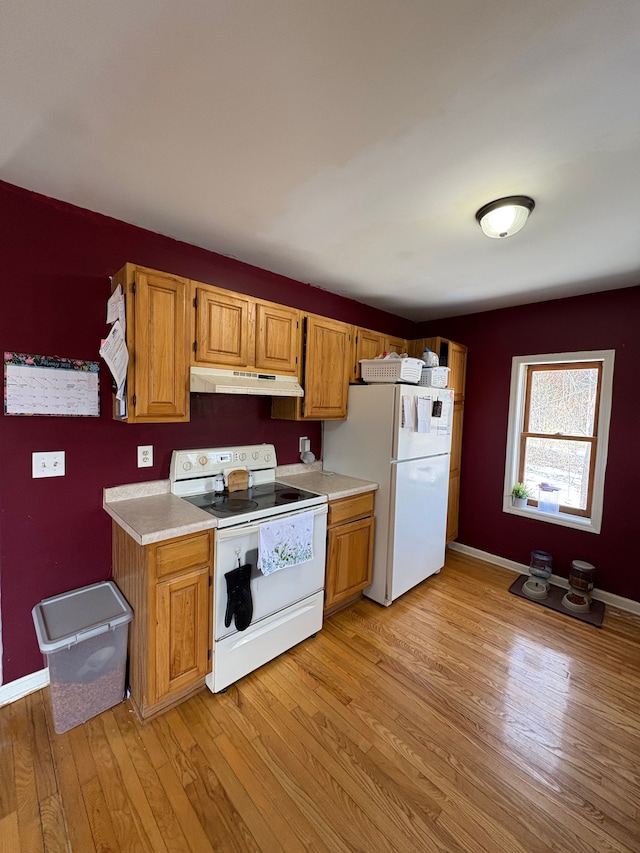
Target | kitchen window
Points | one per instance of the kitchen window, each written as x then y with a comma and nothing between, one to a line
559,413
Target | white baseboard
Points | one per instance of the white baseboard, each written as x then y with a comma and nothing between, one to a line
15,690
618,601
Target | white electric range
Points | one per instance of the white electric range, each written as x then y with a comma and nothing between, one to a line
286,604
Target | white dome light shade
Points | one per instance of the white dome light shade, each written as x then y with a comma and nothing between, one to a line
505,216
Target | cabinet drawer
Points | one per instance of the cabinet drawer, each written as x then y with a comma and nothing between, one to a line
184,553
348,509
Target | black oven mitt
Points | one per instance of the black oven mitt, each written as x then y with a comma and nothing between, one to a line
239,601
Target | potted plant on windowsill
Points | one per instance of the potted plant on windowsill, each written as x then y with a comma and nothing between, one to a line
520,494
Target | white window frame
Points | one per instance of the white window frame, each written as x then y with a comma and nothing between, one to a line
519,366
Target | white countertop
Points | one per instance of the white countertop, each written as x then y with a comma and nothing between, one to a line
150,513
328,483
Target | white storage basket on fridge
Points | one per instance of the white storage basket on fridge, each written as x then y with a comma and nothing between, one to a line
435,377
391,369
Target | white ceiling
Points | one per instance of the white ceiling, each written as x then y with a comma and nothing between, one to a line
344,143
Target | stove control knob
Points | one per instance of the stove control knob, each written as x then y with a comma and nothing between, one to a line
187,466
255,454
203,460
267,457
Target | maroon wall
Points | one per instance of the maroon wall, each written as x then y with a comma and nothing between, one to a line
608,320
56,259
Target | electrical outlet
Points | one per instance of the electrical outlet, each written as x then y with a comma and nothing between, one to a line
304,444
145,456
51,464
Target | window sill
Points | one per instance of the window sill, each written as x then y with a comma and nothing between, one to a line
589,525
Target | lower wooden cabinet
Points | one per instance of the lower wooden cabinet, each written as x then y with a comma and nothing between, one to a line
168,585
350,527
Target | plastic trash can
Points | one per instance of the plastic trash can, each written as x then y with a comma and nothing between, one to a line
83,636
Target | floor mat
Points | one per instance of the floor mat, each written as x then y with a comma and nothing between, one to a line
553,601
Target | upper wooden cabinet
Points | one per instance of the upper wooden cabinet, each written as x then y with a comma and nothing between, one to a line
398,345
221,327
453,356
158,342
173,323
233,331
450,354
368,344
326,372
278,338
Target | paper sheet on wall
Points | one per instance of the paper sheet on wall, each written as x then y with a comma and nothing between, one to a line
115,308
115,353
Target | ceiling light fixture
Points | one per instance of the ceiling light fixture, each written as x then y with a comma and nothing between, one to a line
505,216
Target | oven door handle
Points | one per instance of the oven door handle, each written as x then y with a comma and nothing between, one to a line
247,529
235,531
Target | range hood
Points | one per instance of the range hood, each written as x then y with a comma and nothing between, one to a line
208,380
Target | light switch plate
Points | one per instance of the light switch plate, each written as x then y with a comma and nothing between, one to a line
50,464
145,456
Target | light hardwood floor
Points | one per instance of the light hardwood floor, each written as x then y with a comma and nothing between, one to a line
461,718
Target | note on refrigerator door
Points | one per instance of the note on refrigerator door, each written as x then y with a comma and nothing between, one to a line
446,419
407,412
424,414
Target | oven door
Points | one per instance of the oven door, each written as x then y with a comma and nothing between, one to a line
272,593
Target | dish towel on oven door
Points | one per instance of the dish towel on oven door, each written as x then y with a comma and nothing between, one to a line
285,542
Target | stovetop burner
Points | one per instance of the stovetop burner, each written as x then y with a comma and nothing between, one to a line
195,474
223,503
238,505
288,496
262,496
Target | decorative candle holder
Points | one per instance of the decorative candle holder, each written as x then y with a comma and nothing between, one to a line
540,569
578,598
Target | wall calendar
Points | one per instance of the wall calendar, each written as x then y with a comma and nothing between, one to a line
48,385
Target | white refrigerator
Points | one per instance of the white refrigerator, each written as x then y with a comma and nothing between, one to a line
400,437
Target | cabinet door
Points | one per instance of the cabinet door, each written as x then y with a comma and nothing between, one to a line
222,328
182,631
278,338
453,356
398,345
349,559
327,368
457,364
368,345
454,471
158,342
453,506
